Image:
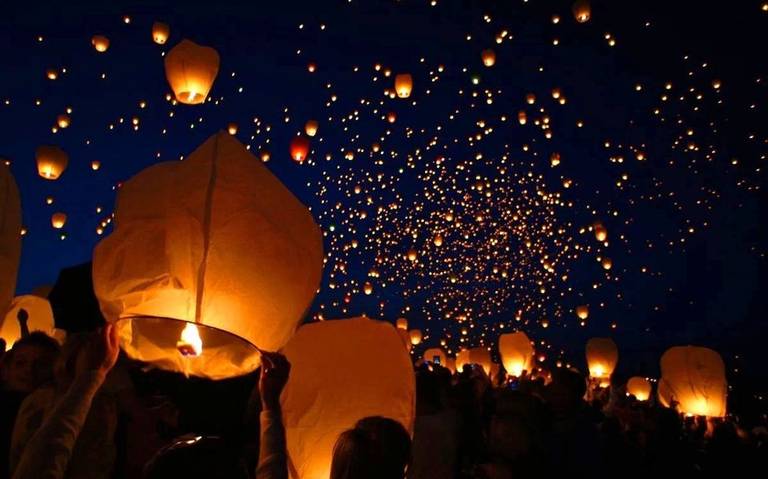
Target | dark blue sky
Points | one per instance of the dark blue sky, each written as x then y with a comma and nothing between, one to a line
706,291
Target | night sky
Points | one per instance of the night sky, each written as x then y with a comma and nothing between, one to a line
674,169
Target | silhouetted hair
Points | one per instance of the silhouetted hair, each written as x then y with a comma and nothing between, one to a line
40,340
376,448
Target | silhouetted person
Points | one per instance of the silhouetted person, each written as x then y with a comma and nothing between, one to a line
376,448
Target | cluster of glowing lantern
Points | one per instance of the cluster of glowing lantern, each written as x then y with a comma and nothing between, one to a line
10,239
601,234
216,247
415,335
310,128
63,120
51,161
693,378
401,323
581,11
232,128
602,356
39,317
403,85
489,57
160,32
639,387
100,43
516,353
58,220
318,403
478,356
191,69
436,356
582,311
299,148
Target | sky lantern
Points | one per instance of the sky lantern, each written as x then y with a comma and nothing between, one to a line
581,11
554,159
191,69
63,120
582,311
299,148
264,155
232,128
516,353
318,404
438,240
52,74
489,57
10,237
606,263
403,85
58,220
51,161
160,32
530,98
602,356
95,165
436,356
310,128
522,117
210,258
100,43
401,323
694,377
639,387
367,288
39,318
479,356
416,336
601,234
391,117
412,255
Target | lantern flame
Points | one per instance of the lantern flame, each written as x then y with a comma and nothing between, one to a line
190,344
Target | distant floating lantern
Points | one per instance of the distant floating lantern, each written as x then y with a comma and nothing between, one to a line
489,57
581,11
375,147
415,335
265,155
95,165
438,240
391,117
39,318
349,155
554,159
716,84
244,268
530,98
401,323
63,120
412,255
601,234
403,85
694,378
58,220
326,357
160,32
191,69
100,43
299,149
232,128
52,74
639,387
516,353
479,356
607,263
602,356
582,311
311,67
435,356
10,239
522,117
51,161
310,128
367,288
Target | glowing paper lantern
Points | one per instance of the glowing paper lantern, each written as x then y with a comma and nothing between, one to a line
401,323
602,356
438,240
581,11
435,355
415,335
318,402
299,149
232,128
191,69
10,236
391,117
489,57
601,234
215,240
694,377
63,120
39,318
582,311
403,85
310,128
639,387
412,255
160,32
100,43
516,353
51,161
58,220
522,117
479,356
367,288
